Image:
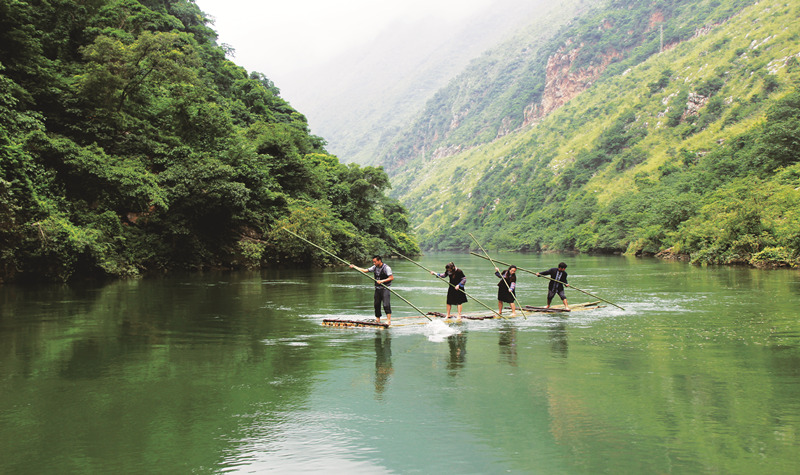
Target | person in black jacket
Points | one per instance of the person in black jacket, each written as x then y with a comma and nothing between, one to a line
559,276
506,288
455,294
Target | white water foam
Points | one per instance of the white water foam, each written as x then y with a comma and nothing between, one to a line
437,331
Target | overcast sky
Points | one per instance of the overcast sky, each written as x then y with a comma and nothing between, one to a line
279,37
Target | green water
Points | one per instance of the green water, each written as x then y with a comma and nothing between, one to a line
234,373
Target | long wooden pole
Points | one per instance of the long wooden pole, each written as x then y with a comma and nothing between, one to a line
554,280
521,308
448,283
368,276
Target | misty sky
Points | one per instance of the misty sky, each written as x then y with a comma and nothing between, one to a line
279,37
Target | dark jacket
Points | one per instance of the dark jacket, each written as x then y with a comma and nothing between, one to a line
560,275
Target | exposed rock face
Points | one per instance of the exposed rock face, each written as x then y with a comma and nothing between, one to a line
693,105
562,84
671,255
447,151
656,18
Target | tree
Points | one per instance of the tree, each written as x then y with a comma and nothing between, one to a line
779,145
117,72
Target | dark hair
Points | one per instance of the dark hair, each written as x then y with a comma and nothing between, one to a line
561,265
509,276
377,256
450,267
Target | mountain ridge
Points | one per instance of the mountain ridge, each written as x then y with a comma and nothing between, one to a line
644,159
512,87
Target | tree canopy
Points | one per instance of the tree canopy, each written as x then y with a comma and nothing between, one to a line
130,144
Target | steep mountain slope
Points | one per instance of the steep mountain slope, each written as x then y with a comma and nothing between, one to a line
528,77
694,150
363,99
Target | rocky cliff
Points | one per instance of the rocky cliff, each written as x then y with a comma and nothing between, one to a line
562,83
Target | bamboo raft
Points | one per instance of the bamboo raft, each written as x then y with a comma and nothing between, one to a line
560,308
468,317
335,322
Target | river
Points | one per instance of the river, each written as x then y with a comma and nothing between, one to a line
234,373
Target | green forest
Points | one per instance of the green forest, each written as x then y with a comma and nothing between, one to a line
691,153
129,144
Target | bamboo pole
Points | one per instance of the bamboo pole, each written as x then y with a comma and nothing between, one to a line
554,280
521,307
366,275
448,283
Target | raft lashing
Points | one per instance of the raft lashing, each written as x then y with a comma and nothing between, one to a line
468,317
336,322
546,310
560,308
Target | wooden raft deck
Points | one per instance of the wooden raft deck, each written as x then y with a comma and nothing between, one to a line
335,322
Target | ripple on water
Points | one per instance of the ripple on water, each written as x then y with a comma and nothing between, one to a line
304,441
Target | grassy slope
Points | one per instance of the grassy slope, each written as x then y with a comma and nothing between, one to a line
498,187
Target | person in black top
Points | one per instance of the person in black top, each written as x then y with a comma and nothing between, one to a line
557,274
506,288
383,278
455,294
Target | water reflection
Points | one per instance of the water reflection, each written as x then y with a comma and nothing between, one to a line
558,339
458,352
383,361
508,343
233,373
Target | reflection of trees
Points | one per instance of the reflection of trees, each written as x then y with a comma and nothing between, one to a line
458,351
193,357
508,344
383,361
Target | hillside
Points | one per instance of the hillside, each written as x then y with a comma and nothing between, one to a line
524,79
129,144
692,152
367,96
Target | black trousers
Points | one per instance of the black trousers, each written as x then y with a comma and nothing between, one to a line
552,293
382,295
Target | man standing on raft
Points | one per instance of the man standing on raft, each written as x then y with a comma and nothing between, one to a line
557,274
383,279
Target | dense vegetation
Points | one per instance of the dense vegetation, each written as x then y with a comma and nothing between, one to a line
128,143
694,152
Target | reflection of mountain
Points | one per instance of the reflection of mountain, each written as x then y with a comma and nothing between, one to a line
227,383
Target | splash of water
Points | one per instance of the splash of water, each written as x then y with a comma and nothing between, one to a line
437,331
